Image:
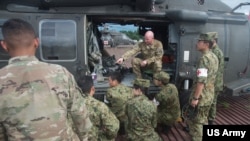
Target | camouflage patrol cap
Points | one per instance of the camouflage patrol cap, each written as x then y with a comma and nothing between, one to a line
142,82
205,37
162,76
214,35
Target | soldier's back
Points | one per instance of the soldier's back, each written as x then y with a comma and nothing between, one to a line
105,124
118,97
142,120
33,100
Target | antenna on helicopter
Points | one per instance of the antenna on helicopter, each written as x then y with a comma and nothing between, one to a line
241,4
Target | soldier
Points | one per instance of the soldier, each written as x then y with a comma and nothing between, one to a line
151,55
169,106
117,96
105,123
203,88
218,86
38,101
142,114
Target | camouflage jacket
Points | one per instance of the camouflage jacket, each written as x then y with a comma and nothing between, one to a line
169,105
208,62
105,123
118,97
151,53
142,119
41,101
219,77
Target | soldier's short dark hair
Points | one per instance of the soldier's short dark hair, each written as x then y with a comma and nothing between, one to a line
17,28
116,76
85,83
14,29
143,89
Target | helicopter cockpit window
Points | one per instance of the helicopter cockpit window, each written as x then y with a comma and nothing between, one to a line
4,56
58,40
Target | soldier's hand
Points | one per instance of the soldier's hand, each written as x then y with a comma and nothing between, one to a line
119,61
144,63
194,102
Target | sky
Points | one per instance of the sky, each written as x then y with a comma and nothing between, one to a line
233,3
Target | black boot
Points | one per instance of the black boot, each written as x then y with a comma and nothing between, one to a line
166,129
210,122
186,128
159,128
121,131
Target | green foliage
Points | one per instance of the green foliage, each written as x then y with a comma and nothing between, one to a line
134,35
225,104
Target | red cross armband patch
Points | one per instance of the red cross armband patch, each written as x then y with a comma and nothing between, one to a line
201,72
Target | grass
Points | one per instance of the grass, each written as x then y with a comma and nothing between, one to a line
225,105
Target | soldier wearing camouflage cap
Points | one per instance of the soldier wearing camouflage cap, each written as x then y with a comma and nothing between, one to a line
105,124
169,106
38,101
203,87
144,83
142,114
151,52
206,37
219,77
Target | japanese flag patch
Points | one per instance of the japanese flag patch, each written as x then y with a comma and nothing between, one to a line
201,72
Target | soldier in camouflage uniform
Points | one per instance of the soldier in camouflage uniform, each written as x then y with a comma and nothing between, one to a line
38,101
169,106
218,86
151,55
117,96
142,114
203,88
105,123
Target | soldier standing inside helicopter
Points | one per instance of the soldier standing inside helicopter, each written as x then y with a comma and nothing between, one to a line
151,55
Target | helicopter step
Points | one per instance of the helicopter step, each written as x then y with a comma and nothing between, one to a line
238,87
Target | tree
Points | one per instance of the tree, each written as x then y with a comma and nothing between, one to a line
134,35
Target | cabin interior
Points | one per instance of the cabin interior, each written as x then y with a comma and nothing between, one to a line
158,26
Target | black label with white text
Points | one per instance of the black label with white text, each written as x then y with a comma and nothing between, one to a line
235,132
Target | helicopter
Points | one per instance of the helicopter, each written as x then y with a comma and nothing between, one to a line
114,38
69,36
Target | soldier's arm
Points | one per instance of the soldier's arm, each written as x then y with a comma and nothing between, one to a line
198,90
154,121
109,94
159,97
201,74
131,52
110,124
77,109
109,97
158,54
2,133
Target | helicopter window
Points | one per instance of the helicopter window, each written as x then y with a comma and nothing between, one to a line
58,39
3,54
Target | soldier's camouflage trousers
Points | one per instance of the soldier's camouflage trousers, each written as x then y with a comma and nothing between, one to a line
212,111
136,65
196,124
